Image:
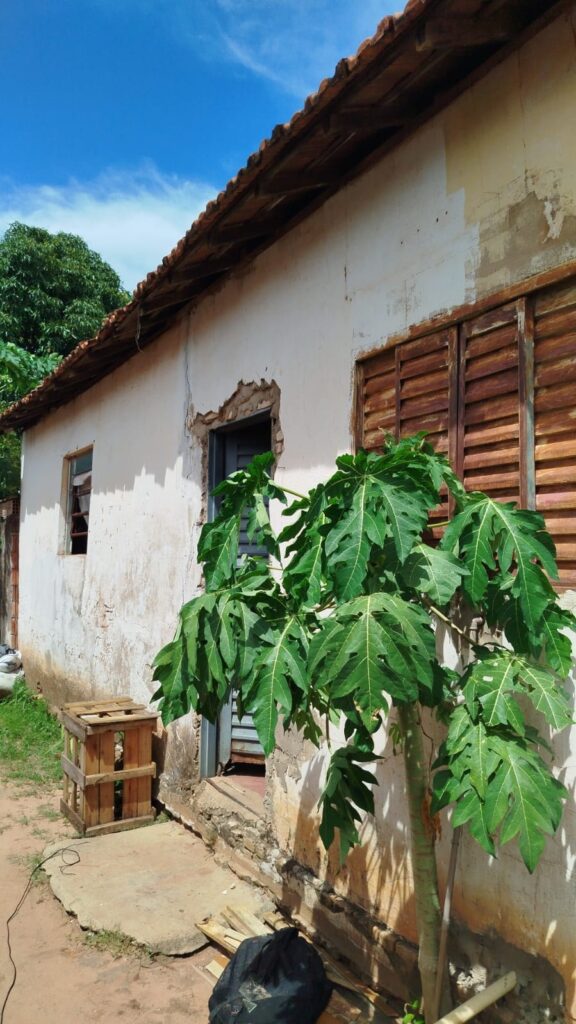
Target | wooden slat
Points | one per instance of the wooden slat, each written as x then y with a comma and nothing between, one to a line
144,788
130,787
489,429
107,760
555,420
91,795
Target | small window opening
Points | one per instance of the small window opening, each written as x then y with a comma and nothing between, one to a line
79,492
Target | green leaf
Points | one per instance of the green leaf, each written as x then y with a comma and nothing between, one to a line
373,645
280,662
348,789
303,576
535,800
406,515
434,572
350,541
218,549
546,694
490,683
557,644
496,537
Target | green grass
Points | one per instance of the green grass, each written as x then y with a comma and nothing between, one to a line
30,739
117,944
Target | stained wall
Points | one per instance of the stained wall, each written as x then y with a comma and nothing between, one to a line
481,197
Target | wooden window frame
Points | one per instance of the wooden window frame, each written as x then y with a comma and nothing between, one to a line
77,540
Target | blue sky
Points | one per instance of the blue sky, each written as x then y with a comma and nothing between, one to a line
122,118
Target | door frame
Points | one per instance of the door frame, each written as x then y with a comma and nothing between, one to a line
209,731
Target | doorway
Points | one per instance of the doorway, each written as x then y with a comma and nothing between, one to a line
232,744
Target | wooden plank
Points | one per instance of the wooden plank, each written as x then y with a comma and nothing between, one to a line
72,816
526,401
422,365
89,706
75,728
143,772
245,921
144,788
447,33
75,804
220,935
285,183
91,795
65,780
107,759
120,826
124,725
74,773
485,388
127,717
130,787
370,118
557,371
430,382
215,968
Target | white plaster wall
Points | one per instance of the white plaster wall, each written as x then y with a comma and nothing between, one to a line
90,624
457,211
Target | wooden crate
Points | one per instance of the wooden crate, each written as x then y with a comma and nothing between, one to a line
107,764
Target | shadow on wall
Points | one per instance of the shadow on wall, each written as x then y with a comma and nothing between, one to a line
376,878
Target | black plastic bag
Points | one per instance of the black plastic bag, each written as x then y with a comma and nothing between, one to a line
271,979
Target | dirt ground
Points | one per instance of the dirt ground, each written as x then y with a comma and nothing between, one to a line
61,979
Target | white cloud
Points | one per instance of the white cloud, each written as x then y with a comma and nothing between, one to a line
296,43
292,43
132,219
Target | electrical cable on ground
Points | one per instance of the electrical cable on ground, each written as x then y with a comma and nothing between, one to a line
67,864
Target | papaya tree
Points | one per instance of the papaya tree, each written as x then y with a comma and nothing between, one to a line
339,625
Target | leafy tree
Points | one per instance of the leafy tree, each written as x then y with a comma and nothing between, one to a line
54,291
341,624
20,371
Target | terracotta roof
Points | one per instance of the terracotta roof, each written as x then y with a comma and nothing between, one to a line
415,63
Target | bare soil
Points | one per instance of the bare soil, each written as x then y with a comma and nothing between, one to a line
61,978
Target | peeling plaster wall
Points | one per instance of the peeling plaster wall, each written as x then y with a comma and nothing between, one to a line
91,624
482,196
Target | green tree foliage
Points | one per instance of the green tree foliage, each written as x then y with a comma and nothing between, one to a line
54,291
20,371
341,624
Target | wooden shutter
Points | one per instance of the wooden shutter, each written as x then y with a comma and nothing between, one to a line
376,398
491,428
555,420
408,388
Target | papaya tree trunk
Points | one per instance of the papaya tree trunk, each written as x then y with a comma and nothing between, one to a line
428,913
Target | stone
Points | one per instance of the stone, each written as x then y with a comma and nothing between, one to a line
153,884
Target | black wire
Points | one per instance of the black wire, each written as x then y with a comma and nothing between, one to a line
62,850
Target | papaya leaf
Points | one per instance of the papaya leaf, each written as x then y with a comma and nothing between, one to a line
346,790
350,541
280,662
304,574
557,644
218,549
492,536
547,694
433,572
535,799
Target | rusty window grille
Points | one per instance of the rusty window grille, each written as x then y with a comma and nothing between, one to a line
79,492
